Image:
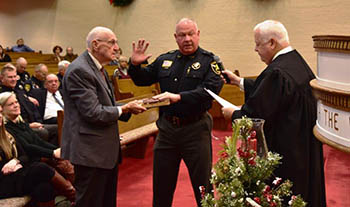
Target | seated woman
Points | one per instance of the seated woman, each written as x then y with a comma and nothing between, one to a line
57,50
33,145
3,56
19,176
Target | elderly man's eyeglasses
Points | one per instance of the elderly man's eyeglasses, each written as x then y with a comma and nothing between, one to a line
111,43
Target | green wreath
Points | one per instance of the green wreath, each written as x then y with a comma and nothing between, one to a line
120,2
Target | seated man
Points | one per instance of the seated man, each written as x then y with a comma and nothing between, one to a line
21,47
50,99
21,65
38,78
29,109
70,56
62,67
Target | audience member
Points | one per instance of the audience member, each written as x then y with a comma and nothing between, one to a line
50,99
21,65
29,109
3,56
56,53
62,67
38,78
122,71
19,175
21,47
282,96
70,56
35,147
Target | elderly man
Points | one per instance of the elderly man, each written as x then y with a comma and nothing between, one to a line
21,65
38,78
90,137
184,126
50,99
282,96
70,56
62,67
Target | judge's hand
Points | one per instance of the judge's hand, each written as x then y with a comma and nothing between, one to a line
134,107
138,55
227,112
233,77
167,95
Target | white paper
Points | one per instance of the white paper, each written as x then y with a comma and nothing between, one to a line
221,101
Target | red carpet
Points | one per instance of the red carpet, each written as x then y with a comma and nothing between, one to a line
135,179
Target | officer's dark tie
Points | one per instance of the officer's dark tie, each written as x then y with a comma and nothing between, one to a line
58,101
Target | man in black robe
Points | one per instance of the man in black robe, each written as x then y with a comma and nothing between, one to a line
282,96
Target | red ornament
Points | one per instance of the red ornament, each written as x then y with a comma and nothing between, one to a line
257,199
253,134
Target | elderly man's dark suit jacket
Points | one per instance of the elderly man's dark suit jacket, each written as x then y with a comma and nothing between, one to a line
90,134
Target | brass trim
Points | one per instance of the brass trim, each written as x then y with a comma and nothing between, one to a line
334,98
332,43
324,140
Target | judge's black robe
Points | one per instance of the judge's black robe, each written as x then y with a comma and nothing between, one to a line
282,96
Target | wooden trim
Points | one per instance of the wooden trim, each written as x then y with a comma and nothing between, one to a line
332,43
324,140
334,98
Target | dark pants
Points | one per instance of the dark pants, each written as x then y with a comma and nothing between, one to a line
192,143
96,187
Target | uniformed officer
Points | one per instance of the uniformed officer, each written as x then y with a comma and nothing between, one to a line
185,125
21,65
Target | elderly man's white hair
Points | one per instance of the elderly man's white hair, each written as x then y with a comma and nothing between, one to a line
62,64
95,32
20,60
188,20
272,29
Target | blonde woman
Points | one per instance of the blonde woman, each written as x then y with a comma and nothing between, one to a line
35,147
19,176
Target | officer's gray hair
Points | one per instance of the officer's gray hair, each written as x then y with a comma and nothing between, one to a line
186,19
38,67
96,32
8,67
272,29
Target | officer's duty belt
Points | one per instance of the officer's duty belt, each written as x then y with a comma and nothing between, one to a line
183,121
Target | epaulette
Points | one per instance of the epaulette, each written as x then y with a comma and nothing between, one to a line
171,52
207,53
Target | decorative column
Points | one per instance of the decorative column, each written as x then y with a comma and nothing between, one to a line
332,89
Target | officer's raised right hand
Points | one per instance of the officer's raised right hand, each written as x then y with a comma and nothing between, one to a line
138,55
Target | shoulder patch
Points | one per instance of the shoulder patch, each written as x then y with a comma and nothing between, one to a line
27,87
216,69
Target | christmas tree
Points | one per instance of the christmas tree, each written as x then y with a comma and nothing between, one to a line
240,175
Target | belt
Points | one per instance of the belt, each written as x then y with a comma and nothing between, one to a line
183,121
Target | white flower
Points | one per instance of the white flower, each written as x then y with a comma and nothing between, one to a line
277,181
238,170
258,182
240,200
233,194
290,202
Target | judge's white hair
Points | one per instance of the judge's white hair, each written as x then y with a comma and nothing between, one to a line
272,29
95,32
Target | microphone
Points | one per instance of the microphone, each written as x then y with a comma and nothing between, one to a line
221,66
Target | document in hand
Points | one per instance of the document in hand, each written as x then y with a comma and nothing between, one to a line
221,101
